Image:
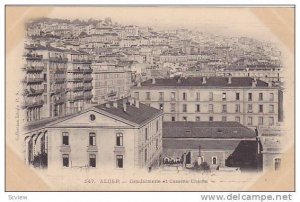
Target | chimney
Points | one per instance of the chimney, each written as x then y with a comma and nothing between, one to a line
179,80
153,80
139,84
254,83
124,105
137,103
115,104
204,80
130,99
229,79
107,105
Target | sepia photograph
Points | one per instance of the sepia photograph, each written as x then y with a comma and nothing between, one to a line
149,98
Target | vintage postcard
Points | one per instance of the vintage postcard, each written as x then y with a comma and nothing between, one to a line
149,98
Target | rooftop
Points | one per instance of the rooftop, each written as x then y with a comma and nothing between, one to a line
217,129
210,82
133,113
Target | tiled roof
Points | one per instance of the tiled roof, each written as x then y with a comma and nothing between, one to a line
210,82
206,130
133,114
216,144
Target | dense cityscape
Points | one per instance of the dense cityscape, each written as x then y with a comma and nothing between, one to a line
149,98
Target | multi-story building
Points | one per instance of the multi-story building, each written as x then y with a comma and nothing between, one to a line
57,82
123,134
79,81
246,100
110,81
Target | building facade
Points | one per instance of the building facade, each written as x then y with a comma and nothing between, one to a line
219,144
110,81
122,134
57,82
246,100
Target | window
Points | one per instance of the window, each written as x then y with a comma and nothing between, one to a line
173,107
260,96
92,117
92,139
249,96
223,96
146,134
157,126
271,121
119,139
210,108
224,108
184,97
136,95
197,107
271,96
65,138
92,160
197,118
161,96
119,161
224,118
45,99
173,118
65,160
184,118
250,108
271,108
148,96
146,155
198,96
277,163
237,96
211,96
173,96
184,108
260,120
211,118
237,108
261,108
214,160
161,106
238,119
249,121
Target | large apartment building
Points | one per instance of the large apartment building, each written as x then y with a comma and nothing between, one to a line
246,100
57,82
110,81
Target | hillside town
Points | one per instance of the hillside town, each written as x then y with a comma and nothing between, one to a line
98,94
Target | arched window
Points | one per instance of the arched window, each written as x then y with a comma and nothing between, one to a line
214,160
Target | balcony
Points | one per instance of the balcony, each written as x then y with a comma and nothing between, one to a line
58,59
34,69
88,79
81,61
35,104
78,88
119,149
88,97
58,80
33,80
111,94
88,88
60,71
33,92
61,100
59,90
77,70
65,149
92,148
88,71
34,57
78,79
75,98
